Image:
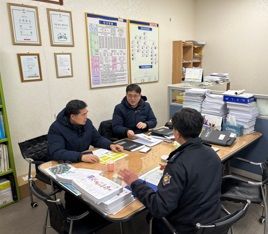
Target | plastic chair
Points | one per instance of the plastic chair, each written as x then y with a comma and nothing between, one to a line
219,226
34,151
239,189
60,219
106,130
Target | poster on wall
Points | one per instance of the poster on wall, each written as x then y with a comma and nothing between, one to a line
107,50
144,55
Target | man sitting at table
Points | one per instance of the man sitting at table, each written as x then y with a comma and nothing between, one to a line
133,115
190,188
69,137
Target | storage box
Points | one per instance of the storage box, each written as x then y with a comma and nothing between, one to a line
5,192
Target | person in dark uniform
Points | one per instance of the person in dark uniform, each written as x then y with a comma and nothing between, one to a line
190,188
133,115
69,138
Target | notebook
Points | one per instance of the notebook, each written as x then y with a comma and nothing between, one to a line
163,132
214,136
129,144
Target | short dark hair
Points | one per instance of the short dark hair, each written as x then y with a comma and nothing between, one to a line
133,87
188,122
73,107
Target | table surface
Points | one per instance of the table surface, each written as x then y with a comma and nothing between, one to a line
141,163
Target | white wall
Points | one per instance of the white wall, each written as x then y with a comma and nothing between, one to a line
32,106
236,35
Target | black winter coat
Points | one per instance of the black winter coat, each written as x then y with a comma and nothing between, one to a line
67,141
126,117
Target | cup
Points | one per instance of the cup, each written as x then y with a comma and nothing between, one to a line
110,166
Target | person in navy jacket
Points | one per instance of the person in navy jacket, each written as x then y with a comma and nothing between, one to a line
133,115
190,188
69,138
72,133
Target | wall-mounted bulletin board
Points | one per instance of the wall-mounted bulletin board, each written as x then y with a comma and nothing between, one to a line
107,50
144,55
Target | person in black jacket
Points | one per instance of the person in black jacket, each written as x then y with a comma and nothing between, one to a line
69,138
133,115
189,190
72,133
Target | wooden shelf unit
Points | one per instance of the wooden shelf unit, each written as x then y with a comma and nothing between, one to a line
185,55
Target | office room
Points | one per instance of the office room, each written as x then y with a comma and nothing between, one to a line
40,74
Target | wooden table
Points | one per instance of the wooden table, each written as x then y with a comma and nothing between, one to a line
141,163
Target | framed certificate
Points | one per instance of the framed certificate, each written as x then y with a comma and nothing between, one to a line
64,67
30,68
60,27
24,24
60,2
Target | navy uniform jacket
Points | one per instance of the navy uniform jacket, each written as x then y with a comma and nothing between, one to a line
189,191
126,117
67,141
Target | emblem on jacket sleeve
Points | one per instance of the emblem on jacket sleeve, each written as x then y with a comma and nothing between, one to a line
166,179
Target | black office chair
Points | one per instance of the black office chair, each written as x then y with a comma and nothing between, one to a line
34,151
60,220
106,130
219,226
239,189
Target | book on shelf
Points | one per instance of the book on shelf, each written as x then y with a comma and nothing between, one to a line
2,127
146,140
4,159
5,192
129,144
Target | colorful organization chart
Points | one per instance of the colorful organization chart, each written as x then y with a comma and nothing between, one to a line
107,46
144,55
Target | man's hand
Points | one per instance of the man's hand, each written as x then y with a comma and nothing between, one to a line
116,148
90,158
141,125
130,134
128,176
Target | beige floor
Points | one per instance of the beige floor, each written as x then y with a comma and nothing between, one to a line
20,218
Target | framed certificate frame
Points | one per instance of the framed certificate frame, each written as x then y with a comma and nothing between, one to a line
64,66
60,27
24,23
30,68
59,2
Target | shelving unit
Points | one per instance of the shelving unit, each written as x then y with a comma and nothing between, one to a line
185,55
10,173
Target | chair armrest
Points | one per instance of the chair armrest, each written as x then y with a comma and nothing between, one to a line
247,161
242,180
78,217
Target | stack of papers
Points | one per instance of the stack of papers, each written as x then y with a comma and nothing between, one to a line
245,114
193,98
213,104
217,77
104,194
146,140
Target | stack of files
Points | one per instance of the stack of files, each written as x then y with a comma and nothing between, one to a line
193,98
244,108
217,77
4,159
245,114
115,204
146,140
213,104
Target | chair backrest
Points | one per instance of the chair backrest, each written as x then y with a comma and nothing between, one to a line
223,224
57,213
265,171
106,130
35,149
